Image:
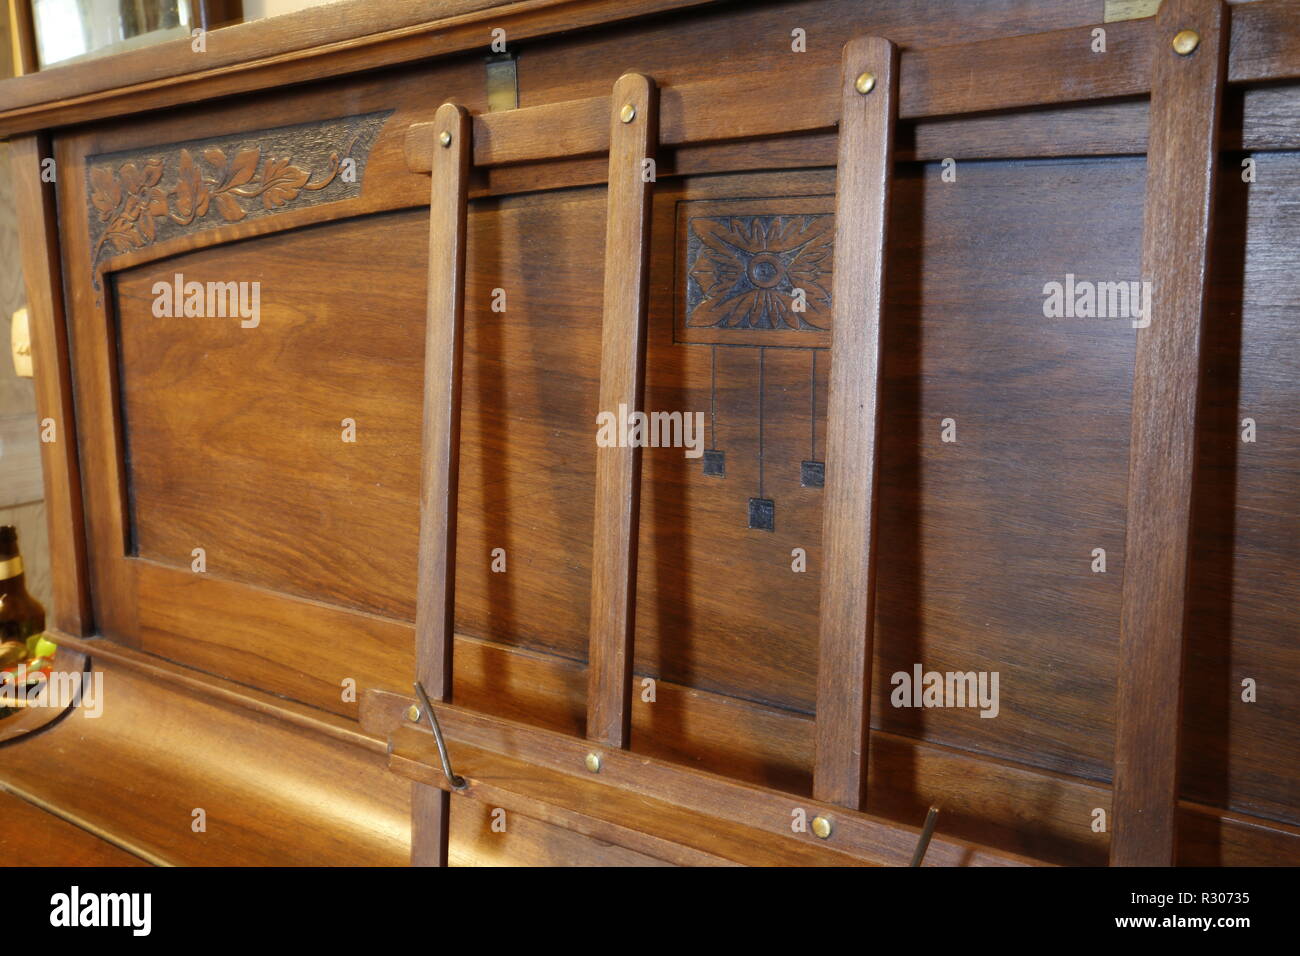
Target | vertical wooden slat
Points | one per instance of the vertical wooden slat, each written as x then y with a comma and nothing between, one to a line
866,139
60,464
622,374
23,37
1186,92
435,610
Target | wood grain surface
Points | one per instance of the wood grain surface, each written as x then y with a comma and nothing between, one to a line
617,515
846,615
1183,154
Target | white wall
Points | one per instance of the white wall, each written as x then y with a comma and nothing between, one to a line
256,9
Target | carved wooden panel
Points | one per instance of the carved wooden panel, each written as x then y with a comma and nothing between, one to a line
139,197
756,271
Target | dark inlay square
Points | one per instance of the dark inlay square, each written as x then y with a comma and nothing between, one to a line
812,474
715,463
762,514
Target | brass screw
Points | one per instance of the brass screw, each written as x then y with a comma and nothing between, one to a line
413,713
1185,41
593,762
822,827
627,113
865,83
445,138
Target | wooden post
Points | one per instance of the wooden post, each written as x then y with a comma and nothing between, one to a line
633,131
1186,91
853,420
435,614
38,223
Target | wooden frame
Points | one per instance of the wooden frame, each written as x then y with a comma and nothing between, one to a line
1165,389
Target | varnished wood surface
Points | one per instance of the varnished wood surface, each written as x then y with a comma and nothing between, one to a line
657,828
30,836
541,602
435,612
171,741
984,801
846,615
61,470
675,797
235,443
1184,151
1018,72
616,518
309,44
159,752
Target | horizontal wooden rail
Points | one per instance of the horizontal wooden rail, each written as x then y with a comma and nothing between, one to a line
329,40
593,808
1036,70
626,780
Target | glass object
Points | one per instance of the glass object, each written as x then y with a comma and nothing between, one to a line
25,652
68,30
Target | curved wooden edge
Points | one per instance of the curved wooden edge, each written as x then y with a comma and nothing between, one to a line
271,792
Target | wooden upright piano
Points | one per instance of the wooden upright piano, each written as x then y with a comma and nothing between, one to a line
978,324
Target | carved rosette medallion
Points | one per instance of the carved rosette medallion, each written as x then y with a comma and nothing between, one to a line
755,274
756,271
141,197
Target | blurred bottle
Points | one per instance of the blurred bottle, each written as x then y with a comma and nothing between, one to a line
24,651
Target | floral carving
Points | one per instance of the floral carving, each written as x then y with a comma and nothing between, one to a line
131,201
744,272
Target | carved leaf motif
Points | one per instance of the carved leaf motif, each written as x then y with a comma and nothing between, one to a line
244,167
153,171
229,208
133,202
157,202
105,193
281,182
132,178
189,187
125,237
217,159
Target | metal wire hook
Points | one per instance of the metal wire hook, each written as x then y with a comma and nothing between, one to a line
457,782
927,832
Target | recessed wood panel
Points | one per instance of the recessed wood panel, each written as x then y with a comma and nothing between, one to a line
986,543
1244,588
235,436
